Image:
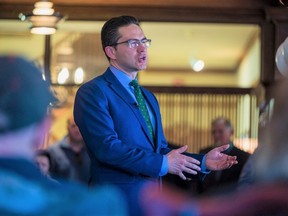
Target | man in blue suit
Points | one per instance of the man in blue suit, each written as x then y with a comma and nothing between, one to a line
127,148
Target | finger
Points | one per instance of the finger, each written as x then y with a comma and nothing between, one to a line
234,162
223,147
232,159
230,165
192,166
182,149
182,176
190,171
192,160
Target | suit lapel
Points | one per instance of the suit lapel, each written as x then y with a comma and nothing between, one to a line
118,89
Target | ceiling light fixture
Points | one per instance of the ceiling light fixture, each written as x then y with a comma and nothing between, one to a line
197,64
43,18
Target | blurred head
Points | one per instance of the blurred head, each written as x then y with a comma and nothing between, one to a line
222,131
24,101
43,161
271,158
73,131
24,95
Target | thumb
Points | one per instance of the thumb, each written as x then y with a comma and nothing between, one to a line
224,147
182,149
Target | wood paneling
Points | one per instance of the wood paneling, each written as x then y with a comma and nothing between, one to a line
164,3
187,114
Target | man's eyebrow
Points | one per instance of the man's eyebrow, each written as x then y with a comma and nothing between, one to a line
138,39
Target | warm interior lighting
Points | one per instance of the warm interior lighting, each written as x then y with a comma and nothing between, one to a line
43,30
63,75
197,64
79,75
43,18
43,8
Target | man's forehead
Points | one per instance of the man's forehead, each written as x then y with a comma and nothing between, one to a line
130,31
219,127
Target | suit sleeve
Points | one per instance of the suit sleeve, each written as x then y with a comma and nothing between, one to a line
95,119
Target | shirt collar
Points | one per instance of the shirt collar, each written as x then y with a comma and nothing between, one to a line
121,76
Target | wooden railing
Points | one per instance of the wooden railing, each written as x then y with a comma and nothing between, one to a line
187,113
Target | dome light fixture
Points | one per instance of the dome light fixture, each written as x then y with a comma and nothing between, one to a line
43,18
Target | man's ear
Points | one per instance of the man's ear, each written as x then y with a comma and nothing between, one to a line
110,52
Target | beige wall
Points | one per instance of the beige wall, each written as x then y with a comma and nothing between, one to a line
155,78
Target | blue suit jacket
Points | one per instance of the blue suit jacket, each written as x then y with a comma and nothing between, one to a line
116,134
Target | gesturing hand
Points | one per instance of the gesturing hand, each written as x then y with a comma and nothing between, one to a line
216,160
179,163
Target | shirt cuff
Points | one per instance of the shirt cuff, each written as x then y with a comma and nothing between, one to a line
203,166
164,167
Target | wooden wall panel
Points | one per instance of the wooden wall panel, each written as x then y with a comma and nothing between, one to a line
187,116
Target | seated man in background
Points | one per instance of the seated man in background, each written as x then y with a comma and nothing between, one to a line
69,158
24,123
222,132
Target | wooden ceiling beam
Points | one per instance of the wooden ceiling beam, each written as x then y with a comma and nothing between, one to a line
163,3
147,13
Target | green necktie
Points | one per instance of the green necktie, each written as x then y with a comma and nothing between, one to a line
142,106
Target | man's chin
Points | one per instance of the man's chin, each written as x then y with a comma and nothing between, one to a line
142,67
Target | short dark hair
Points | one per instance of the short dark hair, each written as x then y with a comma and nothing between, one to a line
110,34
225,120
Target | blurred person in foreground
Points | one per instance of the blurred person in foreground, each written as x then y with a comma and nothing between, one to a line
43,161
121,124
24,123
69,157
267,196
220,181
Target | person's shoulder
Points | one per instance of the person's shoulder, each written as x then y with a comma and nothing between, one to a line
240,151
19,195
96,84
242,156
92,82
28,196
205,150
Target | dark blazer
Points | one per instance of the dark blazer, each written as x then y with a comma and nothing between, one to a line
227,179
116,134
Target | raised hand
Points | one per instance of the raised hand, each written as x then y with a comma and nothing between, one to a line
179,163
216,160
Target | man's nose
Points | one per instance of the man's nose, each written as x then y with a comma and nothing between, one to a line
141,47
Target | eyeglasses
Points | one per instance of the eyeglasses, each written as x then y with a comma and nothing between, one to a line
134,43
